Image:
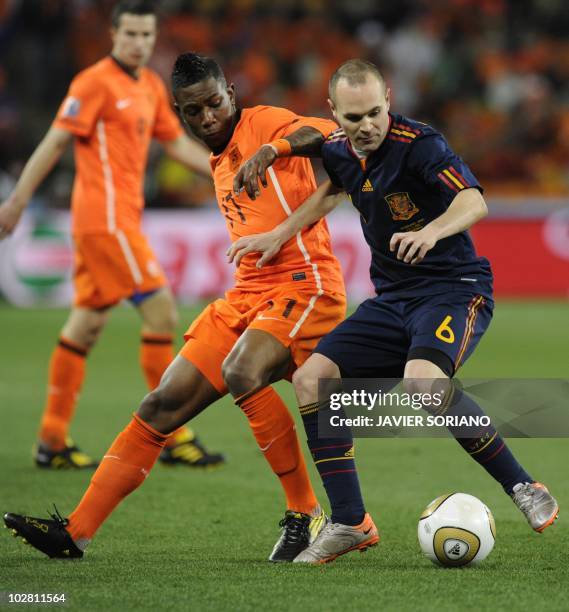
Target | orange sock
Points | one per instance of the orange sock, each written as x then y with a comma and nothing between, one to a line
156,354
65,378
123,469
274,430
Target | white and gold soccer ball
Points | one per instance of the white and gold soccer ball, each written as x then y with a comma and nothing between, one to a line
456,530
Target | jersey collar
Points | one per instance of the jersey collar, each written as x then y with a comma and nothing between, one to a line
215,158
363,162
129,71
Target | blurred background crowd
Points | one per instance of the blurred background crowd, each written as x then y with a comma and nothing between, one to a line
492,75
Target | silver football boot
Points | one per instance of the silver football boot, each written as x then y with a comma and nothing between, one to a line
537,504
336,539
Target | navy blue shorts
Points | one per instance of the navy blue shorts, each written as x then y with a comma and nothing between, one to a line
381,336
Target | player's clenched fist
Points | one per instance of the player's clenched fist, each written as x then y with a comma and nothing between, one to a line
268,244
412,247
255,170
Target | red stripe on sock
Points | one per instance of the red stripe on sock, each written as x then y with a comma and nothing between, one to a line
493,454
337,446
335,472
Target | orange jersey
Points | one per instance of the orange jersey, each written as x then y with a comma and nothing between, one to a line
114,116
306,258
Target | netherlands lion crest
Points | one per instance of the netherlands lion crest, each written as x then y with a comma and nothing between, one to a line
401,206
235,158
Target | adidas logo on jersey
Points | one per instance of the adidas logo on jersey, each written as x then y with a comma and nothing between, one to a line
367,186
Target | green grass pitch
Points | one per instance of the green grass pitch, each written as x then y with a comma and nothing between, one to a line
199,541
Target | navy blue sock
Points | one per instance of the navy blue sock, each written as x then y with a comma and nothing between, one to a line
487,448
334,460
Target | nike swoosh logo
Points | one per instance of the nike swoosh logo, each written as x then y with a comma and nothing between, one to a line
122,104
266,448
367,531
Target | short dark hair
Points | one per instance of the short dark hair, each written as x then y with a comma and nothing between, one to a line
191,68
134,7
355,72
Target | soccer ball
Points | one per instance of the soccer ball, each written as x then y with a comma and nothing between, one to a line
456,530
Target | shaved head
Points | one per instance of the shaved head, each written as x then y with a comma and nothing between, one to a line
359,101
355,72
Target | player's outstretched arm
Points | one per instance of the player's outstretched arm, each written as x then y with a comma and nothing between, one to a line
190,153
305,142
318,205
46,155
466,209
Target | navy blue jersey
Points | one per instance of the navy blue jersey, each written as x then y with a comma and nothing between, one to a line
409,181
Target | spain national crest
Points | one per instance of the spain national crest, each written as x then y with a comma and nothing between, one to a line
401,206
235,158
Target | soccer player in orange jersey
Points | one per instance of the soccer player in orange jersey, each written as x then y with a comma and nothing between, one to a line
260,332
112,111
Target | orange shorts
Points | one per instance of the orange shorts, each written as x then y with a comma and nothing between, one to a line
295,316
111,267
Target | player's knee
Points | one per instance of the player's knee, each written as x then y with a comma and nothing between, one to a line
413,385
305,382
241,375
306,378
84,330
164,322
422,380
160,411
170,321
93,330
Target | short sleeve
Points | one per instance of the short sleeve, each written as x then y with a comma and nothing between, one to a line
166,123
438,166
324,126
81,108
272,123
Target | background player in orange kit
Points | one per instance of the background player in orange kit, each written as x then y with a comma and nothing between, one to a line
112,111
265,327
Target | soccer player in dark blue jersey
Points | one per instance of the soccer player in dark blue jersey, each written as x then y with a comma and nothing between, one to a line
416,199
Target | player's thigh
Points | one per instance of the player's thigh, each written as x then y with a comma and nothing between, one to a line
371,343
210,338
158,312
446,329
182,394
257,359
84,325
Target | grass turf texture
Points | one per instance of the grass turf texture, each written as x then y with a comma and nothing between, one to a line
199,540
